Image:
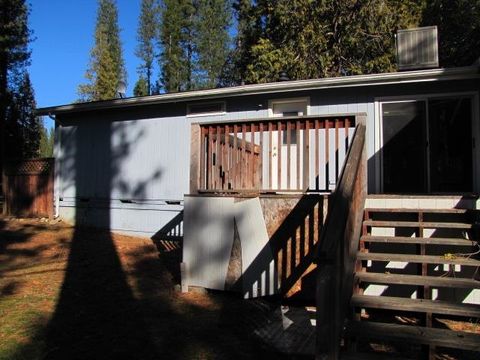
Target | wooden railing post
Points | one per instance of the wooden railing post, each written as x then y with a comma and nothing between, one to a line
195,155
325,341
337,248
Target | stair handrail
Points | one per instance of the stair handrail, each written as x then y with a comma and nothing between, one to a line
336,253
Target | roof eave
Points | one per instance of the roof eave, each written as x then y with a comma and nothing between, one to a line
469,72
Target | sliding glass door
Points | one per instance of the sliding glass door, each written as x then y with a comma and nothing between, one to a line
404,147
427,146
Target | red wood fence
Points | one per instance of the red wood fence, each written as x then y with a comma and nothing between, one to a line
29,187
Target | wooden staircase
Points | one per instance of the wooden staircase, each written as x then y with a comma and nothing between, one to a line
416,274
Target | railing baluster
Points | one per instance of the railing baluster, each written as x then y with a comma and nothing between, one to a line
218,161
210,157
227,159
203,150
235,157
297,135
347,126
289,164
270,158
337,169
260,155
317,155
244,157
279,155
327,154
252,153
306,156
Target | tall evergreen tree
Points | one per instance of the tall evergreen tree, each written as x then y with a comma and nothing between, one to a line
212,40
146,34
14,57
175,40
23,127
46,141
458,24
240,55
311,39
141,88
106,67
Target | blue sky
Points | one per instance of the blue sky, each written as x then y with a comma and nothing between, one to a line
63,31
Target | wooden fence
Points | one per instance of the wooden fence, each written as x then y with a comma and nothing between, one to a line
29,187
277,154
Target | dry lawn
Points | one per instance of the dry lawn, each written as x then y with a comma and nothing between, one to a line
69,293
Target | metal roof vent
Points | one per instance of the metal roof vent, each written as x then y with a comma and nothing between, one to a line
417,48
282,76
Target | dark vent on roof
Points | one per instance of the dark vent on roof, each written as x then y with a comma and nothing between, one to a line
417,48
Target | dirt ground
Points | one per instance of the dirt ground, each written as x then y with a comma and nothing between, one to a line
69,293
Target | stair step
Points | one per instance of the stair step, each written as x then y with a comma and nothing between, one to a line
417,240
425,211
415,334
370,356
421,259
418,280
417,305
416,224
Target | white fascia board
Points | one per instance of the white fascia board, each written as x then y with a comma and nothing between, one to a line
462,73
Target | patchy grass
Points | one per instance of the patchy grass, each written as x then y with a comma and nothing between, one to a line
70,293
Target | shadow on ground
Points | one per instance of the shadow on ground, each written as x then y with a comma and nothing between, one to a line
117,300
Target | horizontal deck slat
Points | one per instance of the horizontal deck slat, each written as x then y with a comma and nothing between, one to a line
416,224
416,305
425,211
418,280
417,240
370,356
425,259
416,334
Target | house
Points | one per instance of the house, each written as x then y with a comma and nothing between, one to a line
245,175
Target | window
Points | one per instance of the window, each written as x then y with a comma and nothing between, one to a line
203,109
286,108
289,107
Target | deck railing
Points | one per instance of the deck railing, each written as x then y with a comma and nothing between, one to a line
276,154
336,254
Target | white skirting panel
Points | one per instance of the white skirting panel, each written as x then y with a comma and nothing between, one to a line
208,240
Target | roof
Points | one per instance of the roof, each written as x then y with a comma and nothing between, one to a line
461,73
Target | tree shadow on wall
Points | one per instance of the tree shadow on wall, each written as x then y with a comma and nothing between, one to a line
96,312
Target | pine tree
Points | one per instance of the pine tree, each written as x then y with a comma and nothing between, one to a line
311,39
175,40
240,56
43,147
23,127
51,142
458,24
14,57
146,34
46,141
211,40
141,88
106,67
